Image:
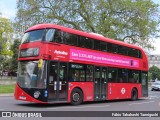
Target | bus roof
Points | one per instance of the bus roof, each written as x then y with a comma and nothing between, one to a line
82,33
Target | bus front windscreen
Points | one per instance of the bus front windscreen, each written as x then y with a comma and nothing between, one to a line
32,76
32,36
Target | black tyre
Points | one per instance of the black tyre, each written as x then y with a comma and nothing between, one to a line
76,97
152,89
134,94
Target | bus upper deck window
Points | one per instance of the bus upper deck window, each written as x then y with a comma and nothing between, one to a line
58,37
49,35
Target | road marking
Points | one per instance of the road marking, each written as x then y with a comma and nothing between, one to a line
153,97
141,103
154,93
79,107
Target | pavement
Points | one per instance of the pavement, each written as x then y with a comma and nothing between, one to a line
6,95
3,82
7,81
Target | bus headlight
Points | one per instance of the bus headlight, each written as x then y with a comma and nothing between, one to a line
36,94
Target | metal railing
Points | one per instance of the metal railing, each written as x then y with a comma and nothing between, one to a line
8,80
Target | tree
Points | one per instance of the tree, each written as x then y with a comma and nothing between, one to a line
134,21
5,32
155,71
14,59
5,52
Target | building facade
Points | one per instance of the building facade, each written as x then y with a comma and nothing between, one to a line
154,60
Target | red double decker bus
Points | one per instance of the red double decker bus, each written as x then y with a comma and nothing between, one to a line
59,64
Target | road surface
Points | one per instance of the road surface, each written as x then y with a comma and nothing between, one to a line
151,103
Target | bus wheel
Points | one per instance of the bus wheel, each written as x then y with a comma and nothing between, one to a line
76,97
134,94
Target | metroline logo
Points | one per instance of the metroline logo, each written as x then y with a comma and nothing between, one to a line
60,52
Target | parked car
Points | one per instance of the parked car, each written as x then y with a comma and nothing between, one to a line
155,86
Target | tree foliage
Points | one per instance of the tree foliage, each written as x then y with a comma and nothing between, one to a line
134,21
155,72
5,42
5,31
14,60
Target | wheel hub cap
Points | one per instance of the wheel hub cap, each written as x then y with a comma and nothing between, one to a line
76,97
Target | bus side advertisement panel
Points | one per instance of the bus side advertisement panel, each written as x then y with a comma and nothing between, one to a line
103,58
65,53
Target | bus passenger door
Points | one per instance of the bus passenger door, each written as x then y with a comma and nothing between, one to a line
52,81
97,83
57,81
104,83
100,83
144,82
62,81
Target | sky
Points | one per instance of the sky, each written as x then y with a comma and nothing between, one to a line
8,10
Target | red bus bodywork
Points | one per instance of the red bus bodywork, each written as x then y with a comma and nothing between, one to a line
61,52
